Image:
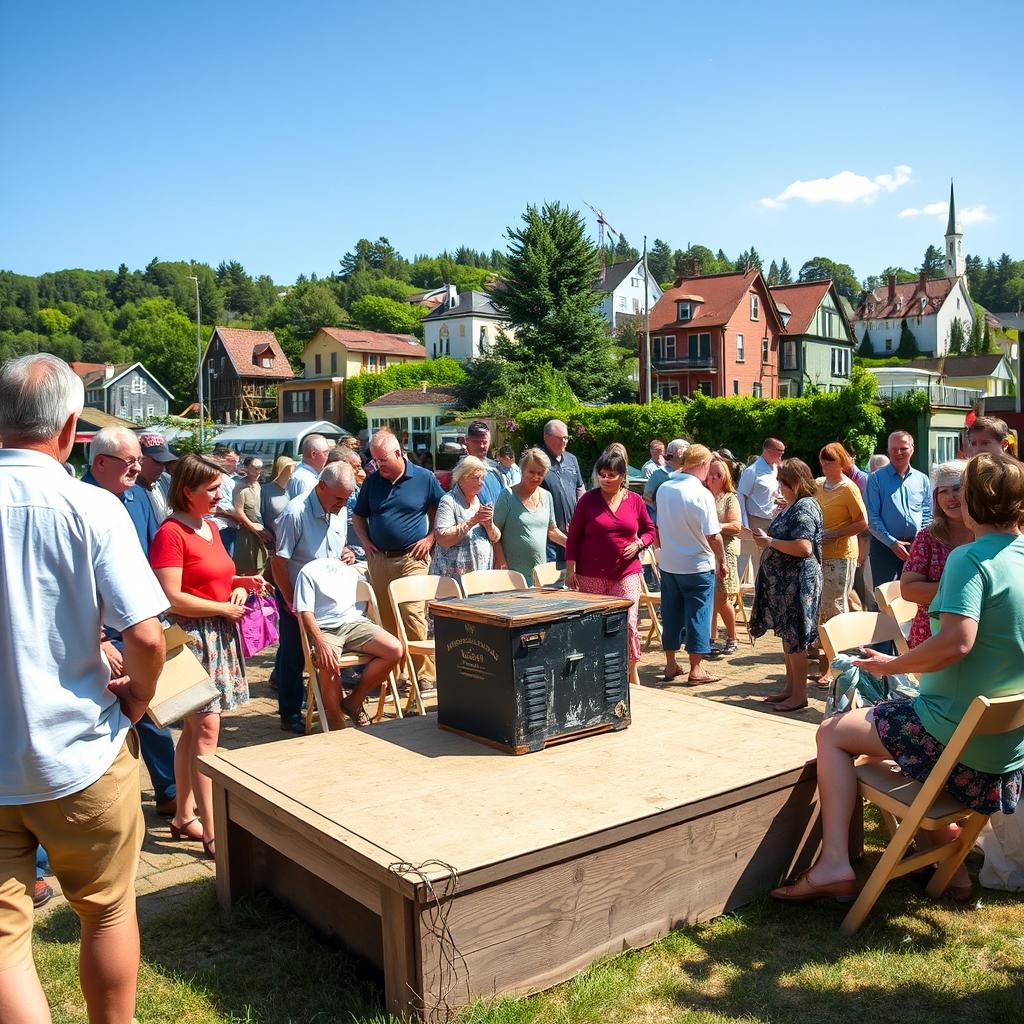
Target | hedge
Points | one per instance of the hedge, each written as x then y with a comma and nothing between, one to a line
739,424
365,387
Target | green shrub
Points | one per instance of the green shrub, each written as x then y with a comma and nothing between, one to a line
365,387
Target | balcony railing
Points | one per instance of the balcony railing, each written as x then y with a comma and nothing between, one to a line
938,394
700,363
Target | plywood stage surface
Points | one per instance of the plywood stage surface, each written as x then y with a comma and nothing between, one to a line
463,871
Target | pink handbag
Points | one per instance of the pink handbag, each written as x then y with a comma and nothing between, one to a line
257,629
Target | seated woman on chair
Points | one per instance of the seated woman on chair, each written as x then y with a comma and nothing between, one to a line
976,648
325,603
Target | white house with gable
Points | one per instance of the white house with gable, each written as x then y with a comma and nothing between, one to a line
621,291
928,307
464,326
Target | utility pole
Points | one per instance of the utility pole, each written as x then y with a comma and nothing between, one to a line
199,371
647,330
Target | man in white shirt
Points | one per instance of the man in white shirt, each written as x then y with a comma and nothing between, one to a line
656,461
325,602
757,490
225,517
692,554
69,771
315,450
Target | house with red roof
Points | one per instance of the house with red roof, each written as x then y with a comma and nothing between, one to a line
716,333
242,370
817,349
331,356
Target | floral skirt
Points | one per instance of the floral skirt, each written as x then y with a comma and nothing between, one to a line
628,587
216,645
916,752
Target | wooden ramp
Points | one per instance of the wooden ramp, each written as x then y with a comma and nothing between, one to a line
465,872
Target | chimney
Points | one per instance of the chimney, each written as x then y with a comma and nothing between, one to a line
922,281
108,372
693,267
892,287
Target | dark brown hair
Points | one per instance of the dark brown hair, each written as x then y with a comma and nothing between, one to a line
797,475
192,472
993,490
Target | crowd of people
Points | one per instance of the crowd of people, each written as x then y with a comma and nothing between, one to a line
148,539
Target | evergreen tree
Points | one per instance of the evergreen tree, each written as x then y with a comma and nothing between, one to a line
987,345
624,251
957,338
934,263
549,298
866,350
773,275
785,272
659,260
907,349
975,345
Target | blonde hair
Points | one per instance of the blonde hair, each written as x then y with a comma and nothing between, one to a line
992,488
281,463
696,455
467,466
728,487
534,457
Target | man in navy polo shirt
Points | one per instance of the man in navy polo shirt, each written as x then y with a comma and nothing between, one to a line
116,461
478,443
394,521
563,480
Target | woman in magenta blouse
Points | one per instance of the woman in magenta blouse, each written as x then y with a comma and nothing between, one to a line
609,529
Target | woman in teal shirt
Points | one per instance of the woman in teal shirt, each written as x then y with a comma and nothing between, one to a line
976,648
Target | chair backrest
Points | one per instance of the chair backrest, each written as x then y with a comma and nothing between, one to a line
422,588
891,601
547,574
857,629
491,581
365,595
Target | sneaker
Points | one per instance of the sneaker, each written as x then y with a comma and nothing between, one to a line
42,893
718,650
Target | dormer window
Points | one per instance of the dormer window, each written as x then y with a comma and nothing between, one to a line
267,363
684,311
754,307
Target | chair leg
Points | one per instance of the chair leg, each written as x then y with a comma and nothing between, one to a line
879,878
415,698
310,705
963,844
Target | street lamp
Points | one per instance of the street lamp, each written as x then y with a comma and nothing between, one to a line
647,331
199,371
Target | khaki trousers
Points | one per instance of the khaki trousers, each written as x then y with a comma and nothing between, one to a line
382,570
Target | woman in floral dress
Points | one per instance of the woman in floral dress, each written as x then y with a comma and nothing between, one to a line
464,529
787,594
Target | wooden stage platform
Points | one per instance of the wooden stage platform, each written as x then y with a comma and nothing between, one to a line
466,872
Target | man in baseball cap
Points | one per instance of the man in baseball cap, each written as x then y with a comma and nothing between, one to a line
155,476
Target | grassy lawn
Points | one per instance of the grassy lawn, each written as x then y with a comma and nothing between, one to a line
914,961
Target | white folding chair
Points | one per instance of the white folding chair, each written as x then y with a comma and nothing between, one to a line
891,601
548,574
650,600
491,581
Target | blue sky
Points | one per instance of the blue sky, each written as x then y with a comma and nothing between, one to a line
278,134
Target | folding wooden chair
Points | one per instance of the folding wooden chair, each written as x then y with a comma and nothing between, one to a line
491,581
892,602
548,574
408,590
857,629
650,601
927,806
314,698
746,587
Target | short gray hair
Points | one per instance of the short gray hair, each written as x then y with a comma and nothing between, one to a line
549,426
38,393
108,440
876,462
380,437
677,446
467,466
313,443
338,474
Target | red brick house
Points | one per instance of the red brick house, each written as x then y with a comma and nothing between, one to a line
718,333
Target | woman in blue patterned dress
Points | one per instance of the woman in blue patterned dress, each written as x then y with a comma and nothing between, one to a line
464,530
787,594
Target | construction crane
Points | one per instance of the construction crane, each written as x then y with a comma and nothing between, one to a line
602,227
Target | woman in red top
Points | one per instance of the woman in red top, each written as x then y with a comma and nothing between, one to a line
207,599
609,529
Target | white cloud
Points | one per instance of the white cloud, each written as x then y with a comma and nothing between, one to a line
844,187
969,215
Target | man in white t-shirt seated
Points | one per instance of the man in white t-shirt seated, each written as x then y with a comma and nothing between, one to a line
325,602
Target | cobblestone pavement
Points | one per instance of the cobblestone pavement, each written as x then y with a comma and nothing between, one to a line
167,866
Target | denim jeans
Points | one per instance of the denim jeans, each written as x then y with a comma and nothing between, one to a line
687,602
555,552
228,536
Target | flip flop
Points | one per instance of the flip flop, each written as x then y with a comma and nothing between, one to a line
802,890
701,682
775,698
785,711
666,678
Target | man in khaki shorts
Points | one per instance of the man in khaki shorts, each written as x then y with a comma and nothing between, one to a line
69,763
325,602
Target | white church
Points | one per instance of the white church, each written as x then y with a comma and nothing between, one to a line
928,307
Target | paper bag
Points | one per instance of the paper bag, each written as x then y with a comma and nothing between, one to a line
184,685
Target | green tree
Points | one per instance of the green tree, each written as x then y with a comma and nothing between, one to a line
773,275
52,322
957,339
866,350
624,251
548,296
907,349
380,256
303,312
842,275
91,326
785,272
164,339
975,345
934,263
987,345
659,260
377,313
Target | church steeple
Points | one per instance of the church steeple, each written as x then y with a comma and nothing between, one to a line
954,241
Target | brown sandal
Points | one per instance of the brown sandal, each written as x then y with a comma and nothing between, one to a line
358,716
